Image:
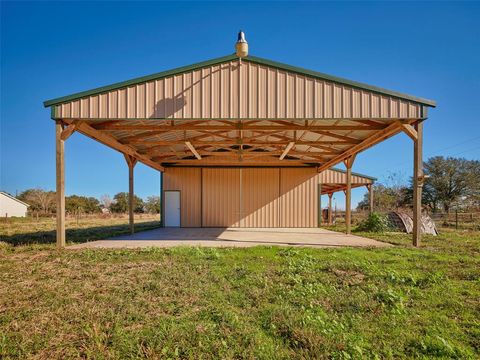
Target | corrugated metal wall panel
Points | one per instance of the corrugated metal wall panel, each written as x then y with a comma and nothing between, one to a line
188,182
338,177
298,197
271,197
221,197
264,92
260,202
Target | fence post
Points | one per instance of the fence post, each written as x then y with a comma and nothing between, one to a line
456,219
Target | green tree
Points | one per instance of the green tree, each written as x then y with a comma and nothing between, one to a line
450,180
152,205
120,203
75,203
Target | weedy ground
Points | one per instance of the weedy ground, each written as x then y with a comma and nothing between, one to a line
261,302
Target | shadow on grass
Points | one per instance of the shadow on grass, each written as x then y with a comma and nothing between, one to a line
79,235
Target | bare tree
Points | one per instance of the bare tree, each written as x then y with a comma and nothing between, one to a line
106,201
39,199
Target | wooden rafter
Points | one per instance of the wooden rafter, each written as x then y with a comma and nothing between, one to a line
287,149
331,188
313,144
390,130
276,153
193,150
297,119
68,131
234,162
110,141
238,127
232,141
410,131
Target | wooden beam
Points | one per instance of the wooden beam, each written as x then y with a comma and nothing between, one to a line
358,119
69,130
287,149
410,131
159,144
131,162
110,141
417,185
233,141
192,149
140,137
389,131
314,155
348,195
349,161
60,184
238,127
330,195
245,162
313,144
328,188
319,209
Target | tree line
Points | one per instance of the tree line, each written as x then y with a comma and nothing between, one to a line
43,202
450,183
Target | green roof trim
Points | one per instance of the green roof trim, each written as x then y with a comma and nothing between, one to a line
354,173
228,58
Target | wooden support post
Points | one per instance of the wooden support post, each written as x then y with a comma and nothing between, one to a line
348,194
60,180
162,200
320,214
131,162
417,184
330,208
370,198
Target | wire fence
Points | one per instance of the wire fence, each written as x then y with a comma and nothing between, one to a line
454,220
457,220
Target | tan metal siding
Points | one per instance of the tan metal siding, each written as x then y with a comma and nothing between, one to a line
251,197
298,197
221,197
260,203
263,92
188,182
338,177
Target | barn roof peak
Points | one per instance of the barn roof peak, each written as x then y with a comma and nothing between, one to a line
249,58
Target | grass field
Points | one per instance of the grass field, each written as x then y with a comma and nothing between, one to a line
262,302
25,231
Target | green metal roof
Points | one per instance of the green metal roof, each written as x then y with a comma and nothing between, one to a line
228,58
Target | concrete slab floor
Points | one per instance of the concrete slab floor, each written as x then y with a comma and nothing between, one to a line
233,237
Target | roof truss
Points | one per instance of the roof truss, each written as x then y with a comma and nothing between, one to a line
227,111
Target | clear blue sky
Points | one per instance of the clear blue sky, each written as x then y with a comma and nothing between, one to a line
48,50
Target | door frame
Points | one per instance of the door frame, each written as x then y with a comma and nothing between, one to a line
164,207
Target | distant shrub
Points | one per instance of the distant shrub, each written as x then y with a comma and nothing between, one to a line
375,222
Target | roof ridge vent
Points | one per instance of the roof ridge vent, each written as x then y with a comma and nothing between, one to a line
241,46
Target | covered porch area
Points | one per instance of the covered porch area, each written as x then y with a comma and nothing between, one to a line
241,141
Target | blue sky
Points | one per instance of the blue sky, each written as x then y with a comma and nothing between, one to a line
49,50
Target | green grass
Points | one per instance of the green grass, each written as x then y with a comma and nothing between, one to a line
29,231
261,302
